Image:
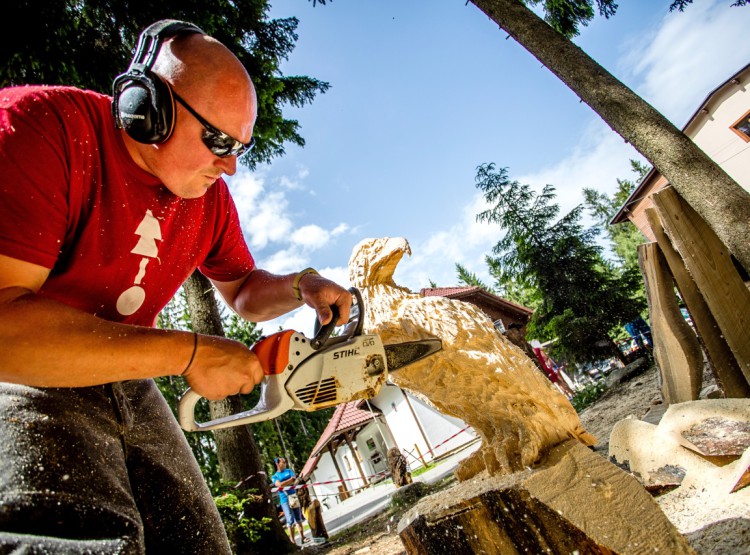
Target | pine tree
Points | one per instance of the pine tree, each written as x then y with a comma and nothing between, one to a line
582,297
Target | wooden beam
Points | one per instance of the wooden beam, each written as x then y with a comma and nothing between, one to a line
332,451
676,349
356,459
708,261
725,367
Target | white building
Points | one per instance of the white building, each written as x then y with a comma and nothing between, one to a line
720,126
352,451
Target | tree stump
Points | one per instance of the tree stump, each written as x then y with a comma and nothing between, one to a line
574,501
397,465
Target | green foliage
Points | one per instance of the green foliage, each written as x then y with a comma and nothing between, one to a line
588,395
625,237
86,43
579,297
680,5
470,279
566,16
232,504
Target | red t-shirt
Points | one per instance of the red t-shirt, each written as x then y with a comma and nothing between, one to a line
119,244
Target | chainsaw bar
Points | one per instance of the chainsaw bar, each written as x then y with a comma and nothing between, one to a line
399,355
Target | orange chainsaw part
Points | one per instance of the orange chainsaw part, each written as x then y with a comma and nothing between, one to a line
273,352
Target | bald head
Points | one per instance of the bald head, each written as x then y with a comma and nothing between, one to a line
210,76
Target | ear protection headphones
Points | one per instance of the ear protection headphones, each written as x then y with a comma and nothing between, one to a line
142,102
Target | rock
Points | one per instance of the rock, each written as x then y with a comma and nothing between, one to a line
620,375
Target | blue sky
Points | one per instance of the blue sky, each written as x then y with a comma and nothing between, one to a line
422,92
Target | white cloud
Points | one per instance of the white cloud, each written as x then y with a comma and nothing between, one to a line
689,55
599,158
268,221
310,237
467,242
340,229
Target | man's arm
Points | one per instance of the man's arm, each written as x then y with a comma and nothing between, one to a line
49,344
261,296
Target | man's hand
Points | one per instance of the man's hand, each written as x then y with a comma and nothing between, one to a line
222,367
261,296
321,293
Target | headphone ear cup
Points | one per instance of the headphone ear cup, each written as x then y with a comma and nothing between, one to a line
146,113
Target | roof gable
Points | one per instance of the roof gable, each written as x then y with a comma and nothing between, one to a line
346,417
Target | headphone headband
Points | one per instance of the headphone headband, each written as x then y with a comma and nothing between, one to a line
151,39
142,102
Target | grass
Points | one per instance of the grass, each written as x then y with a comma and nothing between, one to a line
588,395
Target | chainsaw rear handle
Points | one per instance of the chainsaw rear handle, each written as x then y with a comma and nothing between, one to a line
273,402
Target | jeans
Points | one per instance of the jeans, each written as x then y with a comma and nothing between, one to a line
100,470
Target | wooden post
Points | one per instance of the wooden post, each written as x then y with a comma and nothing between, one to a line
356,459
708,261
676,348
419,453
332,451
725,367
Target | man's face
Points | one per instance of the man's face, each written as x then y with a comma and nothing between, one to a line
281,464
184,163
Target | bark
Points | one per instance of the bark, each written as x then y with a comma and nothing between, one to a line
239,458
722,203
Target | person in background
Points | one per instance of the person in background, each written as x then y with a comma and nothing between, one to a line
284,478
108,205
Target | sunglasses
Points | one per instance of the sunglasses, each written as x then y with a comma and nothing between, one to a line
218,142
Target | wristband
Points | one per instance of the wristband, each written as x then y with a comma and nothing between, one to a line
298,278
192,357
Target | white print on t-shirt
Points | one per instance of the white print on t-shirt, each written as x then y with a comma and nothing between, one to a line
149,232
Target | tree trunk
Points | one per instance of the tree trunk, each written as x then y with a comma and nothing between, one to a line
239,458
722,203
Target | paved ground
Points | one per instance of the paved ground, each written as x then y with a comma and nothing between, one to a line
376,498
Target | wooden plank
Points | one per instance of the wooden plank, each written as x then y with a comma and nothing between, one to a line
708,261
676,348
725,367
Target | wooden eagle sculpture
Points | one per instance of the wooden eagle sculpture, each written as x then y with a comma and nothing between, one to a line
479,376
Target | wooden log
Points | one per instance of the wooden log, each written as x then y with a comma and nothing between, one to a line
708,261
575,501
676,348
725,367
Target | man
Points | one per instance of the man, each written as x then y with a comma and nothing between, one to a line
282,478
101,224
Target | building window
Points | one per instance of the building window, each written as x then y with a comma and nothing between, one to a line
499,325
371,444
742,127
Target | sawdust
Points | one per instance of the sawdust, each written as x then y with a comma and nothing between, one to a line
710,530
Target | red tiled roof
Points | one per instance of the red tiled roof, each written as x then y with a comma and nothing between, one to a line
461,292
345,417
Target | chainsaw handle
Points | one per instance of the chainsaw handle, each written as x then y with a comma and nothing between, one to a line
274,401
352,328
273,355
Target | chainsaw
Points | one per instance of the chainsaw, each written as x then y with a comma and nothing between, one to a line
313,374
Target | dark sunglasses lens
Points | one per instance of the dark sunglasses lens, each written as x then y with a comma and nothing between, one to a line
219,144
222,144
